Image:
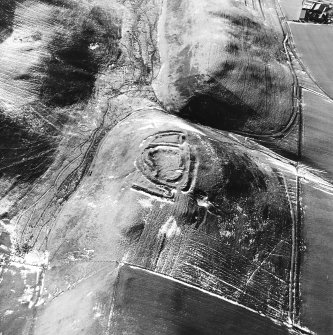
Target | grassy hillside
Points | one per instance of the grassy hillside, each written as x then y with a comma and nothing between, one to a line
224,66
50,57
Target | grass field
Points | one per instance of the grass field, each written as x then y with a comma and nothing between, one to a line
317,149
316,280
314,46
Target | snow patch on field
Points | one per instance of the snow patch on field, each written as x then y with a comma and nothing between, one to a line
146,203
185,126
170,228
98,311
27,296
36,258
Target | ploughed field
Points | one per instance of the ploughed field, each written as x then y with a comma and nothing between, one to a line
179,309
317,149
314,47
316,280
291,8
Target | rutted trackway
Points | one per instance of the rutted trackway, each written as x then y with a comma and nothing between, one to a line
297,220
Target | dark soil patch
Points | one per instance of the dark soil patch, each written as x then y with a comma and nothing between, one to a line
83,43
24,154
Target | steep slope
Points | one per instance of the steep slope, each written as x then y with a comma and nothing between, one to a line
223,65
